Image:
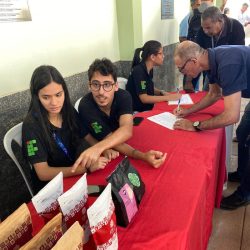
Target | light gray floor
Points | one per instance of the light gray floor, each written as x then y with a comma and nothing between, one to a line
231,229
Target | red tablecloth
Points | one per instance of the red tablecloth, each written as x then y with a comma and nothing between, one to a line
177,208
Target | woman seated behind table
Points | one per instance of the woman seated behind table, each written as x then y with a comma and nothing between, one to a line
51,132
140,82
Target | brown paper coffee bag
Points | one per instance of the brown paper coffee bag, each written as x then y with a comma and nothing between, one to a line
72,239
16,230
47,237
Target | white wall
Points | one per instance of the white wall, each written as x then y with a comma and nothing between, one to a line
66,34
165,31
235,7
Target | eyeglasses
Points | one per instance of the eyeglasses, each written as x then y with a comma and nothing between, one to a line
96,85
181,69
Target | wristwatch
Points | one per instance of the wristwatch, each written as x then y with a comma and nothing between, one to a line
196,125
162,92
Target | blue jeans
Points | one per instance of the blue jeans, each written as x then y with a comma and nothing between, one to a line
195,82
244,188
242,132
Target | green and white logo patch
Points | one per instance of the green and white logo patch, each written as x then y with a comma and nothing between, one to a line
143,85
31,147
96,127
134,179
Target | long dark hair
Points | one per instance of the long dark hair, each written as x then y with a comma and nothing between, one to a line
41,77
149,48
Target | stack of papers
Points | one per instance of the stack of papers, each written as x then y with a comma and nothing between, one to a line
165,119
185,100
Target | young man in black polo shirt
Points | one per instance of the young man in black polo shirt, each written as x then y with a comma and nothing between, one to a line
107,114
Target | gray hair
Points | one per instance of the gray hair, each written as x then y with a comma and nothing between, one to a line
212,13
188,49
204,6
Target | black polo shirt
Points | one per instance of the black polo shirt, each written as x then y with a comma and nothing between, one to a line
36,150
99,123
230,69
140,82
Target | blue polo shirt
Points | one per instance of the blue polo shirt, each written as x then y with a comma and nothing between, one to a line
230,69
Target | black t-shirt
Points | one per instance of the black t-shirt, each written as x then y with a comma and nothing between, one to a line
140,82
98,123
194,25
36,149
230,69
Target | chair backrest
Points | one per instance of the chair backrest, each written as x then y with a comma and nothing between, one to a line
122,82
15,134
77,104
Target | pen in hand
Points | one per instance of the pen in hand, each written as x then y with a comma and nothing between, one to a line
178,106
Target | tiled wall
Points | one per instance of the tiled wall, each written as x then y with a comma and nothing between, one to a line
13,109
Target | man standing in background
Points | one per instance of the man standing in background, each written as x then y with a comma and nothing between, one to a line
185,21
243,16
218,29
190,84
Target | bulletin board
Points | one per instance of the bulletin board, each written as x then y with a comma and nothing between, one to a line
14,11
167,9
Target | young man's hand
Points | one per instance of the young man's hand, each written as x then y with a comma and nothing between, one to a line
87,158
155,158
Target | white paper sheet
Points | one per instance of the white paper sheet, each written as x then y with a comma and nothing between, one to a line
185,100
165,119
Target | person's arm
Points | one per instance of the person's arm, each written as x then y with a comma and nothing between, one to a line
211,97
47,173
158,92
230,115
154,99
108,153
152,157
122,134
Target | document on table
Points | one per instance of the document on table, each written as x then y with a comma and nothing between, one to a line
185,100
165,119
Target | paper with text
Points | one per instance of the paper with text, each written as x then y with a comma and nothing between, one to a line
165,119
185,100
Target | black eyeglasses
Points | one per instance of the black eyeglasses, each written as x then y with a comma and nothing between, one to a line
96,85
181,69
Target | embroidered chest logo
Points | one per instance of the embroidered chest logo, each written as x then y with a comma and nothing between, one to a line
143,85
31,147
96,127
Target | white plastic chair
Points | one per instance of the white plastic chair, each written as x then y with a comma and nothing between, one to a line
15,134
77,104
122,82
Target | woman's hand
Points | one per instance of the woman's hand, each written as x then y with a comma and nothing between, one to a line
101,163
110,154
87,158
173,97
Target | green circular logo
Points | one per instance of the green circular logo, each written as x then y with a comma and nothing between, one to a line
134,179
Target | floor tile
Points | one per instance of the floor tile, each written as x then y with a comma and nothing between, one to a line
227,229
246,230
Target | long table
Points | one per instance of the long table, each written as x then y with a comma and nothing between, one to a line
177,208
